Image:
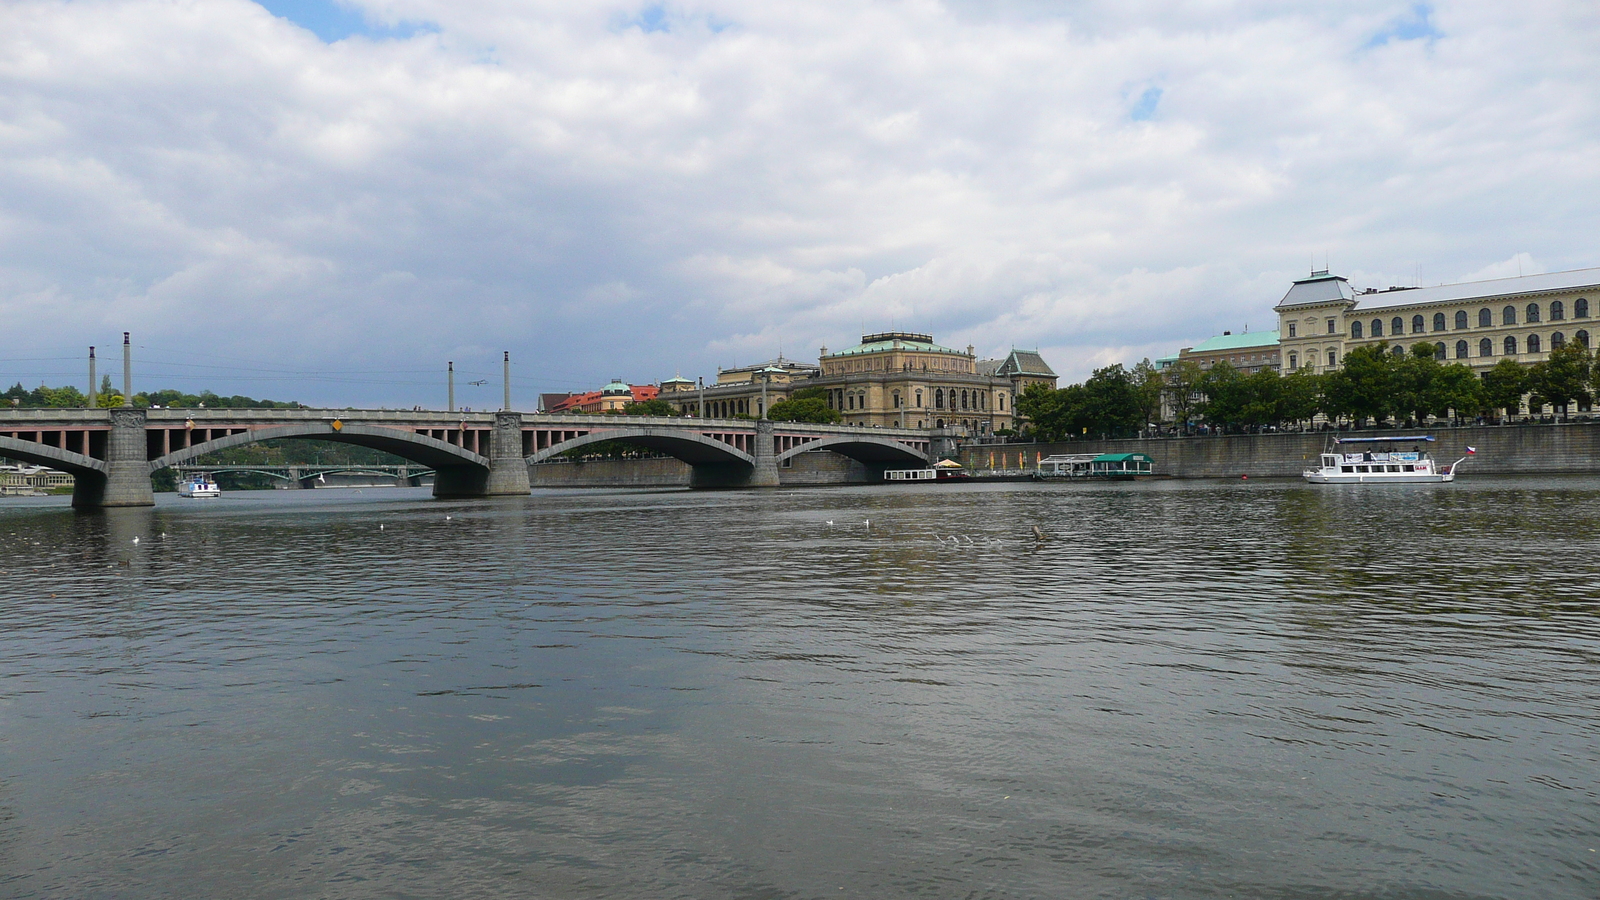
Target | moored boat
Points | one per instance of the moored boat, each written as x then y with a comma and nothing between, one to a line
1382,460
198,486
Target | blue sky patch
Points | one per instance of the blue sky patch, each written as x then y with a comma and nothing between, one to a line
652,18
1144,109
333,21
1414,26
657,18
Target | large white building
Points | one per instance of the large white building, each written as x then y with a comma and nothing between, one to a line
1477,323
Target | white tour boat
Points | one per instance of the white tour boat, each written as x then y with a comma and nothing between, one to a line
198,485
1383,460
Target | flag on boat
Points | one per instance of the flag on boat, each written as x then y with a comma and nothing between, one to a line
1471,450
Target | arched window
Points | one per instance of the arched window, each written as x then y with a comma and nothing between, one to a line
1461,319
1398,350
1533,343
1485,318
1355,330
1486,347
1438,352
1533,313
1580,308
1582,338
1333,359
1508,316
1002,401
1397,326
1438,321
964,400
919,399
1558,310
1557,341
938,400
1294,358
1461,349
1377,328
1416,324
1511,344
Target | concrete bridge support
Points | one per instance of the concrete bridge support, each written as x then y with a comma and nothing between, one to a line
508,469
765,473
507,475
127,478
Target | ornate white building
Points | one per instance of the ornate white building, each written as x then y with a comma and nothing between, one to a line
1477,323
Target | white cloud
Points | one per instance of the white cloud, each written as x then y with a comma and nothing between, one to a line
653,188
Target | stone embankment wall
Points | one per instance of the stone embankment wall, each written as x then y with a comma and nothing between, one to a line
821,467
1507,449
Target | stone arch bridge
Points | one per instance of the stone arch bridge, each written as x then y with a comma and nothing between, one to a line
113,452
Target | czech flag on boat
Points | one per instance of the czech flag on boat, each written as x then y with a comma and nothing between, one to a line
1471,450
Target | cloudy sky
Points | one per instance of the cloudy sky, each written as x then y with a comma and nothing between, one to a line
326,200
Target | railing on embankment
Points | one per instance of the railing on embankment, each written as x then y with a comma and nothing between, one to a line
1572,448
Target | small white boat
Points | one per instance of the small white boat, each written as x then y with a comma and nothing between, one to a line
1383,460
198,485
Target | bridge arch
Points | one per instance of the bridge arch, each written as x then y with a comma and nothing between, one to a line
691,447
54,457
405,444
862,448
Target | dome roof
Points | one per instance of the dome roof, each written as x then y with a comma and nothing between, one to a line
616,388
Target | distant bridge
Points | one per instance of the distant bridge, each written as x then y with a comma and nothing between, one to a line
309,474
113,452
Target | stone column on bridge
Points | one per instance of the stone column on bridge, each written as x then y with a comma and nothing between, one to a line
766,469
294,478
127,462
508,470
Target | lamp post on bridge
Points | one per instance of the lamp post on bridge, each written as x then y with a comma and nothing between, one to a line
92,403
506,374
127,371
451,369
702,380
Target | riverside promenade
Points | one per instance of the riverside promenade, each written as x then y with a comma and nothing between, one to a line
1572,448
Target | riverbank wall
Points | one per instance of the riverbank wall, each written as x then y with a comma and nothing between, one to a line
1501,450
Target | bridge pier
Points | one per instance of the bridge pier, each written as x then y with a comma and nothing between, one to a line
507,475
508,470
294,479
127,477
765,472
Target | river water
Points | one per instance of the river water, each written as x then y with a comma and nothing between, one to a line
1188,689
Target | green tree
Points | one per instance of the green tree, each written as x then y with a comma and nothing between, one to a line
1563,377
1458,390
1301,392
806,409
1043,408
1414,381
1365,387
1226,395
654,407
1110,401
1503,386
1183,390
810,393
1148,384
1263,399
